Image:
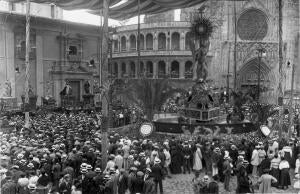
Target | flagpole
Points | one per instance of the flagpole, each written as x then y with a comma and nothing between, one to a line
281,73
27,63
138,40
104,72
235,44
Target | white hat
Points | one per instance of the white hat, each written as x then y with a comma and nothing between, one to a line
157,160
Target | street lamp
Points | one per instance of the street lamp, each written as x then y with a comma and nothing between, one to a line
261,52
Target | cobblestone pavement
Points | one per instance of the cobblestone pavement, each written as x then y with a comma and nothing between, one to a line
181,184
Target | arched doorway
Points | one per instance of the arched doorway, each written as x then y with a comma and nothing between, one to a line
123,43
132,40
142,69
188,36
175,41
149,69
188,70
161,69
175,69
115,69
247,79
149,42
162,41
123,69
132,69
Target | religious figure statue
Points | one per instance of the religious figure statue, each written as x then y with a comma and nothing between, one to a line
7,89
87,87
67,91
200,68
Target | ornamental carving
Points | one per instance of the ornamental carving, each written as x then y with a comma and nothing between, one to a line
252,25
247,50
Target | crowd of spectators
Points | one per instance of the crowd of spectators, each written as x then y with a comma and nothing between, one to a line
61,153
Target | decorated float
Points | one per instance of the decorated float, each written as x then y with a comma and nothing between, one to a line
199,114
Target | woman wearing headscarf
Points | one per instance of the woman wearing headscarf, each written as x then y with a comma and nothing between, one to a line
265,182
275,172
197,159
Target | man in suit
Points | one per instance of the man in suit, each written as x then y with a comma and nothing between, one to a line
157,174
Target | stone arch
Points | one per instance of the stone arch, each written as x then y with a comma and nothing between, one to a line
123,43
162,41
149,68
132,69
149,41
188,69
142,67
175,69
175,41
116,45
132,42
142,42
123,68
188,36
115,69
248,73
161,69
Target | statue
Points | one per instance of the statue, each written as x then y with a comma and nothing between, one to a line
7,89
200,69
67,91
87,87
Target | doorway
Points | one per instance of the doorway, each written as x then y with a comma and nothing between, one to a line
75,85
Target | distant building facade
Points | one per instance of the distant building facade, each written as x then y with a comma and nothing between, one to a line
165,49
61,52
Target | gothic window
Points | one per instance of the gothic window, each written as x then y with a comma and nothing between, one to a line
187,41
73,50
161,69
123,43
132,42
149,42
175,69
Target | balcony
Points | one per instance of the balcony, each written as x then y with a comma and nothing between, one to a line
144,53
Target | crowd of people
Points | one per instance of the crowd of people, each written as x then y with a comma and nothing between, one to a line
61,153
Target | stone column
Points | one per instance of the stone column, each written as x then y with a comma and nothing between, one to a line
128,68
39,68
168,67
182,41
136,73
155,70
9,61
181,70
155,41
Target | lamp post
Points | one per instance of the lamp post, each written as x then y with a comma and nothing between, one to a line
261,52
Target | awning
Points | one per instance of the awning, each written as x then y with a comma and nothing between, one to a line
123,11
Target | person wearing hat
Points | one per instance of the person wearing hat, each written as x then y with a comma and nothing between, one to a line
138,182
65,186
157,174
255,161
285,179
149,184
275,172
216,156
111,163
227,172
265,164
119,160
265,182
126,150
123,182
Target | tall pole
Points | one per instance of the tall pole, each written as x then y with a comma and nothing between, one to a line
138,41
281,73
104,73
235,45
27,64
258,75
100,52
291,101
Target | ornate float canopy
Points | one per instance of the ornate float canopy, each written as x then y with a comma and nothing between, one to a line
121,9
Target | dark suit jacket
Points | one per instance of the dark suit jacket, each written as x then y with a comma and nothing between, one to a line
213,187
157,172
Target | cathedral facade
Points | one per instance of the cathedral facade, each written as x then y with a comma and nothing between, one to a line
242,29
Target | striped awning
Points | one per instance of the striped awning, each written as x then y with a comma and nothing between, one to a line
123,11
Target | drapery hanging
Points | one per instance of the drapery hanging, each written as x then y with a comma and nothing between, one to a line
122,11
